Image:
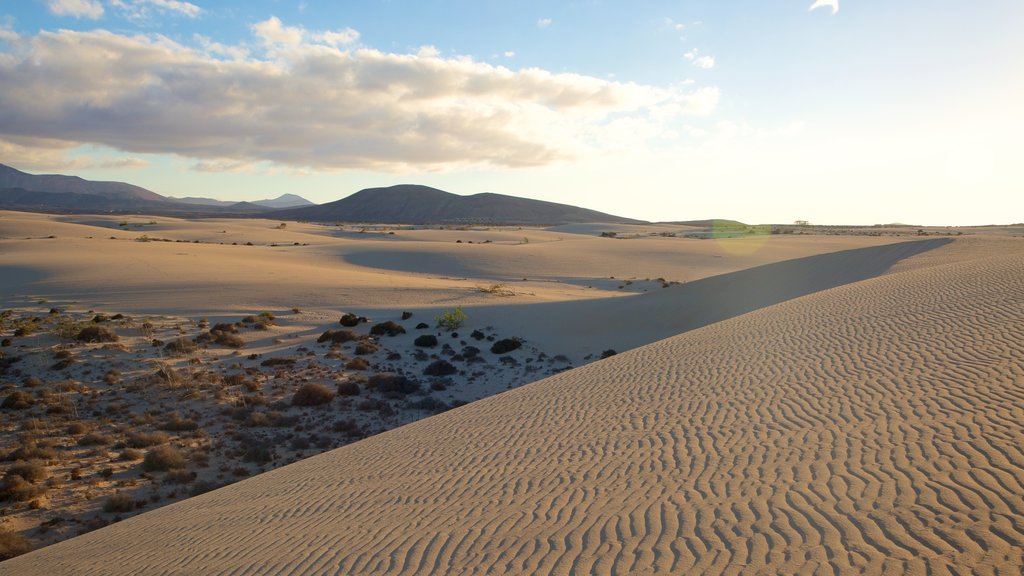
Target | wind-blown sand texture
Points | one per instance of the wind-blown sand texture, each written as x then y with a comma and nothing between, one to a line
870,428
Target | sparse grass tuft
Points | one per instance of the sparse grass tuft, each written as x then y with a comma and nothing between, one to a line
451,319
163,458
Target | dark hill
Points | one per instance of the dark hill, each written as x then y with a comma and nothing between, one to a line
414,204
60,184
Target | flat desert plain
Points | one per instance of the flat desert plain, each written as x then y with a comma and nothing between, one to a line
791,403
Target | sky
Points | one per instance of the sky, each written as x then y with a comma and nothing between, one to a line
831,111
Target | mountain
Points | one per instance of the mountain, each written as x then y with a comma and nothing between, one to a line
414,204
22,191
282,201
58,193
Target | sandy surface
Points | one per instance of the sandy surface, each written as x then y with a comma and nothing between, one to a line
874,427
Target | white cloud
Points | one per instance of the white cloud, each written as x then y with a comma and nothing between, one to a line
674,25
145,9
304,101
543,22
705,62
833,4
509,54
91,9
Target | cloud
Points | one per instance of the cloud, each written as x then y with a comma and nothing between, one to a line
705,62
300,100
543,22
833,4
90,9
48,154
672,24
145,9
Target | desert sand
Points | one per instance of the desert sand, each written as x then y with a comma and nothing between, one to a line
874,426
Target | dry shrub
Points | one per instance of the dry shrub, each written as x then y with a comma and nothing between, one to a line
32,471
348,388
95,439
337,336
390,328
357,364
18,400
179,477
146,439
180,346
119,503
18,489
426,341
312,395
96,334
131,454
163,458
12,544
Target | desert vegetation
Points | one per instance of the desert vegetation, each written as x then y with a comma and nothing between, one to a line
106,415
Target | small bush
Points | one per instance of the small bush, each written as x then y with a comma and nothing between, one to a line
179,477
131,454
506,345
227,339
119,503
393,384
278,362
18,489
96,334
477,335
32,471
348,388
390,328
181,346
146,439
31,450
12,544
451,319
163,458
337,336
311,394
364,348
175,423
426,341
18,400
357,364
439,368
350,320
95,439
608,353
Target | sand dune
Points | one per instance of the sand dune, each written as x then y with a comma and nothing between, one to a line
874,427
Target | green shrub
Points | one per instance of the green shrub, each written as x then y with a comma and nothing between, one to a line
451,319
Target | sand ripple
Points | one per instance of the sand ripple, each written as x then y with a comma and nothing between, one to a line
870,428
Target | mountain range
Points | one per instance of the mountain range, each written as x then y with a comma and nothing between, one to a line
401,204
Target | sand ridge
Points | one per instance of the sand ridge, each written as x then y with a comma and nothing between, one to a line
868,428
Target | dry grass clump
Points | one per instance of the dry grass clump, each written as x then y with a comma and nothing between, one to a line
12,544
119,503
337,336
95,439
163,458
18,400
29,449
365,347
146,439
179,477
131,454
439,368
96,334
176,423
312,394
